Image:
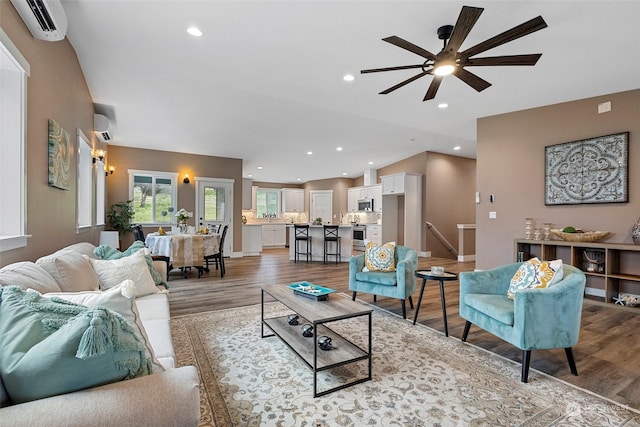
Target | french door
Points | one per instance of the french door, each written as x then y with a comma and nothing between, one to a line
214,206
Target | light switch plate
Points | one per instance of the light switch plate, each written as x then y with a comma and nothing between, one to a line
492,215
477,197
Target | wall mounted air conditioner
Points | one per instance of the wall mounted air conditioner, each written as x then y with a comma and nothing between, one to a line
101,127
45,18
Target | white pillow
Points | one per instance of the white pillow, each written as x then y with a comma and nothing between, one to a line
134,267
71,270
119,299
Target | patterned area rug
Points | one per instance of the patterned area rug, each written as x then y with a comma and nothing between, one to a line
420,378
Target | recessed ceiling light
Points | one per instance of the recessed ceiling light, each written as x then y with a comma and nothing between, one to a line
259,168
339,149
443,105
370,163
348,78
298,179
309,153
250,175
194,31
344,174
457,147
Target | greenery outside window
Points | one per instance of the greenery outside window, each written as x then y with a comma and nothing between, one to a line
154,196
268,202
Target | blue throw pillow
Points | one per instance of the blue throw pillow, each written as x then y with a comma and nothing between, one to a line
49,346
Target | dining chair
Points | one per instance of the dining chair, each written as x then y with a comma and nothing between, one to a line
137,232
219,257
139,235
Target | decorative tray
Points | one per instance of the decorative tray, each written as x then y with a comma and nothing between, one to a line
585,236
309,290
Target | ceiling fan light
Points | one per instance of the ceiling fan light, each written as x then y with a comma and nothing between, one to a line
444,69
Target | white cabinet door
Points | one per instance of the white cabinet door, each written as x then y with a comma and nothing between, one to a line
292,200
393,184
374,192
353,195
374,234
279,235
267,235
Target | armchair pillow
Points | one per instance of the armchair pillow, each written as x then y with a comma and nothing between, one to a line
52,347
380,258
535,274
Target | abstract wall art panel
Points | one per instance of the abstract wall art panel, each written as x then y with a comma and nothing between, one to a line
594,170
59,156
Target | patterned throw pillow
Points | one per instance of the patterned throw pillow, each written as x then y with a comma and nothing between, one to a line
535,274
380,258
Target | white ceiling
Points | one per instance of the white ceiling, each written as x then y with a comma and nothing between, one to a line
264,83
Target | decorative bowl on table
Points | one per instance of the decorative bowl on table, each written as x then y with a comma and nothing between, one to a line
585,236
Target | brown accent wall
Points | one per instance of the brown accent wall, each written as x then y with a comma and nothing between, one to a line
56,90
511,166
448,195
125,158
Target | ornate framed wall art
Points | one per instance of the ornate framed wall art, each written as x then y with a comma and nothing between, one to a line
594,170
59,156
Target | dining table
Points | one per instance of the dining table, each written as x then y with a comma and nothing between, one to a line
184,250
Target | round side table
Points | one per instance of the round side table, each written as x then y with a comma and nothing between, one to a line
444,277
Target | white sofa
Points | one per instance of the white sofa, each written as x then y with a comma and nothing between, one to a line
168,397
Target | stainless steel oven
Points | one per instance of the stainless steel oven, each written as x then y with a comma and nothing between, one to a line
359,233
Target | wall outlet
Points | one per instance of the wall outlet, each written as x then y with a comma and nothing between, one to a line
492,215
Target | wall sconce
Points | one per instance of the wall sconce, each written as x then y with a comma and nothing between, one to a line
186,178
98,155
109,171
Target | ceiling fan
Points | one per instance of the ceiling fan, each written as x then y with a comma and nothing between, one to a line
451,61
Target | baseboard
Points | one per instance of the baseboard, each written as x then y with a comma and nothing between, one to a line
465,258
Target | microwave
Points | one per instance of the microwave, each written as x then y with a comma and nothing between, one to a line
365,205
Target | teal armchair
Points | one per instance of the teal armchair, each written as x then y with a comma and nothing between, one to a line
537,319
398,284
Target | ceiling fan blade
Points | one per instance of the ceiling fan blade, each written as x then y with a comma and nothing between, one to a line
466,20
397,41
402,67
433,88
516,32
399,85
503,60
471,79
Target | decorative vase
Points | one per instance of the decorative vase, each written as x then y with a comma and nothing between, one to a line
635,232
528,228
182,226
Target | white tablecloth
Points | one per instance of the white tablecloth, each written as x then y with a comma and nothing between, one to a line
163,245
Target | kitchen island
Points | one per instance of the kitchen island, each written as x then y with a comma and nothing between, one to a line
317,243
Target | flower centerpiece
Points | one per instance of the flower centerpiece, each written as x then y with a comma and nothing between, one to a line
182,215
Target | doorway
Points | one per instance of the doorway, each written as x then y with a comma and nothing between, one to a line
214,206
321,205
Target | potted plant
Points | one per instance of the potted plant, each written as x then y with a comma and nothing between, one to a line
120,215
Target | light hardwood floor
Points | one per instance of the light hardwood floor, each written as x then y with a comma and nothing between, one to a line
607,355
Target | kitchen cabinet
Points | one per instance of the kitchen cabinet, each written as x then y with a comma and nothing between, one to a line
374,192
292,200
247,194
374,234
353,195
393,184
274,235
251,239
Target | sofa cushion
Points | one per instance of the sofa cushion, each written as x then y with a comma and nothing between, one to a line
378,278
120,299
112,273
50,347
535,274
109,253
28,275
71,271
498,307
380,258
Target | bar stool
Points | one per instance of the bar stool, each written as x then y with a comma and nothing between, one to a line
331,235
302,235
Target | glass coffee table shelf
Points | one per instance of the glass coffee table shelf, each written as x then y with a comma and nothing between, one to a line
318,314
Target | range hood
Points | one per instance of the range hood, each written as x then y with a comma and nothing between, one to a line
370,177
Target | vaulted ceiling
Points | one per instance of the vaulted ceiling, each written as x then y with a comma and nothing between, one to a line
265,81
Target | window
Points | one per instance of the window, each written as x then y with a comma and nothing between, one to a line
214,203
14,70
101,182
154,196
85,182
267,202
